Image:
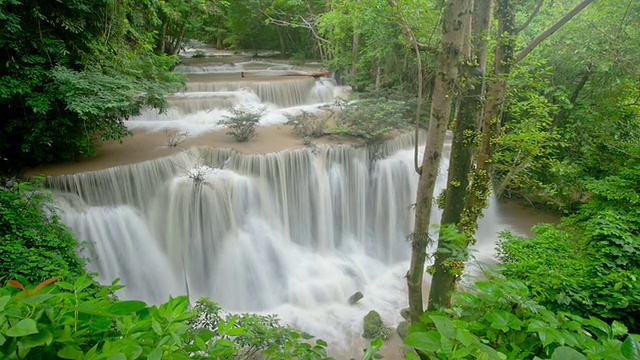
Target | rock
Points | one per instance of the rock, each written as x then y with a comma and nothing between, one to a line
355,298
374,327
405,313
403,329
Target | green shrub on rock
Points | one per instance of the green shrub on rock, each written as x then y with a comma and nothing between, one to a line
242,123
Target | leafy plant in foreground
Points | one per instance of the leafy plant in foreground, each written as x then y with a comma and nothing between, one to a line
66,321
499,321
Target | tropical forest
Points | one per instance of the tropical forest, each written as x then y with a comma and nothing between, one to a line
320,179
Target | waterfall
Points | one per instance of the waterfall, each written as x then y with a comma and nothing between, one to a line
213,216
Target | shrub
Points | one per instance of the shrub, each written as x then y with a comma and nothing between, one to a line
242,122
371,119
306,124
34,244
64,321
500,321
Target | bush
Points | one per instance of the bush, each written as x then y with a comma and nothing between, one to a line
500,321
371,119
587,275
34,244
64,321
306,124
242,122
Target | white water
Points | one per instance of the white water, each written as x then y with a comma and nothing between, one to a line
212,89
293,233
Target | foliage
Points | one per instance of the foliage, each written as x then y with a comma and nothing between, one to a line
306,124
366,44
34,244
65,321
498,320
242,122
576,275
261,335
71,72
370,119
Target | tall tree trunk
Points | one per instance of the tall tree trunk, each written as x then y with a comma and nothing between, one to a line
456,13
282,44
557,120
176,46
504,58
462,154
163,36
355,51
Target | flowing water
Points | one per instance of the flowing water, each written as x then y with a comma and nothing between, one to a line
292,232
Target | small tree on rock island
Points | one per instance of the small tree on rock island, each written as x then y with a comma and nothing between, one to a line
242,122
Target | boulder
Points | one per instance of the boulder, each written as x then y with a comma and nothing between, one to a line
353,299
374,327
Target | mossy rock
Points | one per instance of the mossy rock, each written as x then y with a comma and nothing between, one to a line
405,313
353,299
403,329
374,327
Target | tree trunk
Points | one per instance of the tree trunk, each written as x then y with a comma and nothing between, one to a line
163,36
504,57
355,52
456,13
462,154
176,46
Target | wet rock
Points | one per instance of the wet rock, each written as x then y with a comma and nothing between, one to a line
355,298
405,313
403,329
374,327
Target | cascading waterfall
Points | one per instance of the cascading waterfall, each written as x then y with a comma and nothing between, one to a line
199,209
293,233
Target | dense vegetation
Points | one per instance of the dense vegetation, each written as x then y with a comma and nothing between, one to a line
72,71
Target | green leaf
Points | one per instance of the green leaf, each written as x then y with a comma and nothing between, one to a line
119,356
69,352
127,307
3,301
425,342
412,356
444,326
23,328
567,353
64,285
618,328
155,354
631,348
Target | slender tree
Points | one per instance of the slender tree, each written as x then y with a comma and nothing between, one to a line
446,268
471,98
457,13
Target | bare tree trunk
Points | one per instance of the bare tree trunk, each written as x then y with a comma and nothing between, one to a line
462,154
456,13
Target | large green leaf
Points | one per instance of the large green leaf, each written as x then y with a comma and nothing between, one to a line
68,352
23,328
567,353
631,348
127,307
426,342
444,326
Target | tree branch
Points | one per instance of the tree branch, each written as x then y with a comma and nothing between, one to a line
533,15
527,50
